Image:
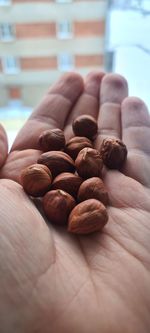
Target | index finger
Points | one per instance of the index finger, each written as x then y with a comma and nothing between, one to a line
114,89
52,111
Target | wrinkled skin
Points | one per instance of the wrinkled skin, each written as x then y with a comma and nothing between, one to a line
52,281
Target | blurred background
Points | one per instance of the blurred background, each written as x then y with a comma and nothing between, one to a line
41,39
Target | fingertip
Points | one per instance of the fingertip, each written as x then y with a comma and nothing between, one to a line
114,88
135,103
70,85
95,74
117,80
134,112
93,82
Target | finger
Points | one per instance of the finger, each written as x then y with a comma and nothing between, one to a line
3,146
136,124
109,122
136,136
114,89
52,111
88,103
17,161
125,192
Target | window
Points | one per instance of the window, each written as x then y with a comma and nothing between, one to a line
65,61
5,2
10,65
6,32
64,30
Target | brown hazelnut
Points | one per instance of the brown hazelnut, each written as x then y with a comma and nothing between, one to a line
36,179
89,163
93,188
113,152
57,162
85,126
87,217
67,182
76,144
52,140
57,206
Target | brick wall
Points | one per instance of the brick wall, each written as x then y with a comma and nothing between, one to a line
35,30
88,60
89,28
46,63
42,63
14,93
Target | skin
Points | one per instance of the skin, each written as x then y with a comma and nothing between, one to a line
52,281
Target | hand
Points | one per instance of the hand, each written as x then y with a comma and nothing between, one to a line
3,146
54,282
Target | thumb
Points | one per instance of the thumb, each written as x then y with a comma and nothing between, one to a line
3,145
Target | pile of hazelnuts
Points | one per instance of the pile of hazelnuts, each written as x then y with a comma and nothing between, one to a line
68,176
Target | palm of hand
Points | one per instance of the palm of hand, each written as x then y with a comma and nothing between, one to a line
55,282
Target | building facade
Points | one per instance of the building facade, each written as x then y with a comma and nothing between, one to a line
41,39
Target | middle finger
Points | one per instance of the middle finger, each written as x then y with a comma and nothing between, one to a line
113,90
88,103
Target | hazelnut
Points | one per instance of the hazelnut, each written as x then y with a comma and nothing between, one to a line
113,153
93,188
57,162
89,163
67,182
87,217
76,144
85,126
57,206
36,179
52,140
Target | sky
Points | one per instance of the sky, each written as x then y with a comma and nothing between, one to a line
130,39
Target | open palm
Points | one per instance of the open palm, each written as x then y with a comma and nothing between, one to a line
54,282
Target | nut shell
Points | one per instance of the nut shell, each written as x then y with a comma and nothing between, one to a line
57,162
89,163
113,152
76,144
52,140
87,217
36,179
85,125
67,182
93,188
57,206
